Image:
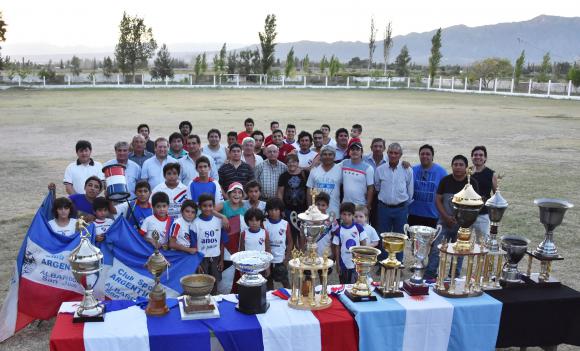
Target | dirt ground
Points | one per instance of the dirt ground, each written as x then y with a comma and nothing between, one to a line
534,142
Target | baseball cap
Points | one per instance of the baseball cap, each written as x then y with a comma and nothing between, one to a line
235,185
356,144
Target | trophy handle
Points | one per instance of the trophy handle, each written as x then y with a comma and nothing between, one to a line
406,231
294,220
438,230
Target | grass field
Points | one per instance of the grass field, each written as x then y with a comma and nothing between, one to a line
534,142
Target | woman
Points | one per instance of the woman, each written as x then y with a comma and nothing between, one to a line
292,190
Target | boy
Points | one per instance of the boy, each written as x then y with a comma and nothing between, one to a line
102,221
203,183
159,221
347,235
232,138
137,210
179,235
254,191
281,243
322,201
173,187
254,238
361,216
208,237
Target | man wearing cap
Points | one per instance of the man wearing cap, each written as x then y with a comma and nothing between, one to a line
268,173
78,172
132,169
357,178
326,178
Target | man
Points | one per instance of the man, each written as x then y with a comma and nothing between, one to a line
258,137
248,155
132,169
377,156
274,126
317,140
395,186
487,182
291,135
268,173
326,178
176,146
305,155
341,144
283,148
143,129
357,178
426,177
185,129
152,170
327,140
214,149
139,154
450,185
235,170
232,138
249,125
187,163
76,173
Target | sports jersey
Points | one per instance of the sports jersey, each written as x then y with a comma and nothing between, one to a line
196,187
347,237
305,159
207,235
138,213
176,196
261,205
102,225
68,230
219,156
277,235
255,241
180,231
356,178
325,239
371,234
82,205
328,182
162,226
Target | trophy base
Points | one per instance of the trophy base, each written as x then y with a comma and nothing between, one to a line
415,290
156,308
389,294
97,318
252,299
512,284
534,280
206,312
358,298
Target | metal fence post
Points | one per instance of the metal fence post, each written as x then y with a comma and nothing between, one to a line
440,81
569,87
512,87
495,85
68,78
94,80
238,80
408,82
283,79
118,80
304,80
43,81
214,80
389,79
549,86
368,82
19,81
191,79
325,81
465,84
452,83
348,81
480,84
428,82
530,87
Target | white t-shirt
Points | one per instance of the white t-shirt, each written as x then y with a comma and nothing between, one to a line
329,182
348,237
207,235
189,169
355,180
305,160
277,235
295,144
258,159
152,170
372,235
331,142
261,205
325,239
176,197
153,223
219,156
180,231
76,174
66,231
102,225
255,241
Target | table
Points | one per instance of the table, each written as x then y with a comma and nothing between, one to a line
430,322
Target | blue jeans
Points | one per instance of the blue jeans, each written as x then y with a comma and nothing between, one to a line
392,219
449,233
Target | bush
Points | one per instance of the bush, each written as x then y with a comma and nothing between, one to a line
574,76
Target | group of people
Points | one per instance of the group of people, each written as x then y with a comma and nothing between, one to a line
188,192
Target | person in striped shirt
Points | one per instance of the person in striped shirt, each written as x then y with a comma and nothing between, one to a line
175,189
179,234
159,221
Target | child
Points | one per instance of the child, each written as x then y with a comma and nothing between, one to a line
347,235
137,210
361,216
281,243
102,221
64,222
254,190
173,187
203,183
234,206
254,238
208,237
179,235
159,221
322,200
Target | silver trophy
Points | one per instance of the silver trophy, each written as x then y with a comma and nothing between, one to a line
252,286
422,238
515,248
551,215
86,262
496,207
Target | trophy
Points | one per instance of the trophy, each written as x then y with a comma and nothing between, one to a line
551,215
364,258
197,303
156,265
86,261
252,286
496,207
422,238
466,206
393,243
515,248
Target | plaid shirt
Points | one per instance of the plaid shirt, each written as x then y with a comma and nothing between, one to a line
268,175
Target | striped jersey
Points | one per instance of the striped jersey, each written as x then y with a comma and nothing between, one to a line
176,196
153,223
180,231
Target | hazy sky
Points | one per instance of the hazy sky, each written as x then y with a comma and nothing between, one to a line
95,23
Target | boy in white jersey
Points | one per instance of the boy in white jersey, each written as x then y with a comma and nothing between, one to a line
208,236
159,221
324,241
64,222
281,243
255,238
102,221
173,187
179,234
254,191
361,216
347,235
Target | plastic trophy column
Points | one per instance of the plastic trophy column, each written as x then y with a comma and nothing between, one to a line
393,243
422,238
364,258
496,207
156,265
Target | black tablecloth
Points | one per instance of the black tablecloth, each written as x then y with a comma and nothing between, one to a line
538,316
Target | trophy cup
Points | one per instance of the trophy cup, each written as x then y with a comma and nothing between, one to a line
515,248
156,265
551,215
252,286
496,207
197,303
86,261
393,243
422,238
364,258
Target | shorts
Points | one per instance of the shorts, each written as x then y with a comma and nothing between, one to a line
279,272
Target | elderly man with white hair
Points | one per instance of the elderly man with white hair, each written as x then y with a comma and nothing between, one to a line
132,169
248,155
139,153
268,172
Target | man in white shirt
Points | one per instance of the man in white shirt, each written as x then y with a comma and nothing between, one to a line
214,149
132,169
152,170
291,136
357,178
248,155
305,155
326,178
76,173
187,162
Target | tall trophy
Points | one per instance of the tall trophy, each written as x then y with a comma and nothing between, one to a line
422,238
393,243
156,265
515,248
364,258
496,206
252,286
86,261
551,216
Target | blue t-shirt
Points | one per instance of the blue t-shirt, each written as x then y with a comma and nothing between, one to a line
426,183
81,204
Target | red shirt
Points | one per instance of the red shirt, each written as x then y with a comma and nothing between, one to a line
284,151
242,135
268,140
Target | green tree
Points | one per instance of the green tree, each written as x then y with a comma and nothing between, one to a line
574,76
232,62
47,73
519,67
306,64
323,64
61,65
490,69
197,67
203,63
162,66
75,63
387,44
267,43
402,61
372,43
108,67
545,68
333,66
436,55
290,68
136,44
3,26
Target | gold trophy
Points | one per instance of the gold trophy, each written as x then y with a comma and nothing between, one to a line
197,303
156,265
393,243
364,258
